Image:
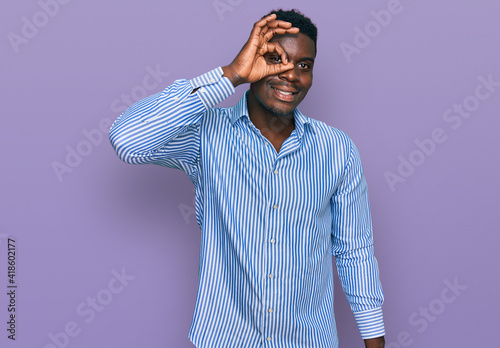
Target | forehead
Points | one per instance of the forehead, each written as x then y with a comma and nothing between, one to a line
296,44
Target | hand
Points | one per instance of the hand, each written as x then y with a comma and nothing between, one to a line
378,342
250,65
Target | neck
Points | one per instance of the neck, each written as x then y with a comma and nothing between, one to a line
269,123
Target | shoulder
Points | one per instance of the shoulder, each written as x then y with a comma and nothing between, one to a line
325,130
333,139
216,120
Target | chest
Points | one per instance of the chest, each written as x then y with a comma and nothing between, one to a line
242,167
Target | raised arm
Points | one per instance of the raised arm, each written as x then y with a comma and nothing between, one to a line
250,64
164,128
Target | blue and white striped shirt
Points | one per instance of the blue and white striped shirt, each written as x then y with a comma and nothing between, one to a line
270,221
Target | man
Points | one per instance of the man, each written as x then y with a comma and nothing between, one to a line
277,193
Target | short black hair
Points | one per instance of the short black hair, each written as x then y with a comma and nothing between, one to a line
298,20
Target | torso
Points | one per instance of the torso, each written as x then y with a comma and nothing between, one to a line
277,139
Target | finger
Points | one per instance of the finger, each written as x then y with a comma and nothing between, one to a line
279,31
275,24
279,68
276,47
258,26
279,24
261,25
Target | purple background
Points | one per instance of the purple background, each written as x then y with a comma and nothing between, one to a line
72,231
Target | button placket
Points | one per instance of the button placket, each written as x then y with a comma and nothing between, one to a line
272,251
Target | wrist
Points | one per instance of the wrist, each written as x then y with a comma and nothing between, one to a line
231,74
378,342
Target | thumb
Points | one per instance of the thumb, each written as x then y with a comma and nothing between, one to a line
280,68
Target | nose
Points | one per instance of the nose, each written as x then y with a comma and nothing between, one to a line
290,75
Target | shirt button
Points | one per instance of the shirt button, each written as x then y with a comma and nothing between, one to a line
202,90
271,276
270,310
275,206
212,81
272,240
267,144
275,172
176,98
269,338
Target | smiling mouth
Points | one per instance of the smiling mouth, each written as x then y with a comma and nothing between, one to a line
284,92
284,96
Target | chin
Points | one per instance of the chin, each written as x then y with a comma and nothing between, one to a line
282,108
279,108
281,111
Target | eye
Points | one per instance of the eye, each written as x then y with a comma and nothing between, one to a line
275,59
304,66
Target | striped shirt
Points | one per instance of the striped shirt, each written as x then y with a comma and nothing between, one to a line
270,221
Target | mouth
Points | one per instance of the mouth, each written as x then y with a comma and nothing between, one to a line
284,94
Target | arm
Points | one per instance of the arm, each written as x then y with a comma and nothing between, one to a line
164,128
378,342
154,129
353,249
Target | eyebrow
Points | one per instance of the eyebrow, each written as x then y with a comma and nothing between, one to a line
301,59
307,58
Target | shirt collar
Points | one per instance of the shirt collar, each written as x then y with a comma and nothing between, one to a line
241,109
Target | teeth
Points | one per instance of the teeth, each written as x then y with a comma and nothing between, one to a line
283,92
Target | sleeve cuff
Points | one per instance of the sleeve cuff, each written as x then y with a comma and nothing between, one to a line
213,88
370,323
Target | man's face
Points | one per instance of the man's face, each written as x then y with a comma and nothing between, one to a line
281,94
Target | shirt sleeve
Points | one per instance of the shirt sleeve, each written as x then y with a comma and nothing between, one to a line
163,128
352,246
